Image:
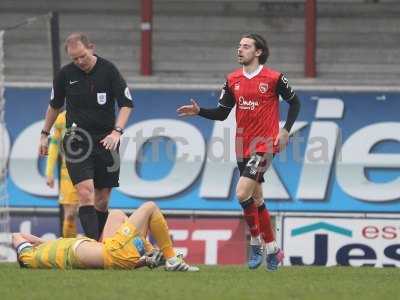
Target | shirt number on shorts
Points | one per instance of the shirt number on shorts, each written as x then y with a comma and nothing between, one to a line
254,161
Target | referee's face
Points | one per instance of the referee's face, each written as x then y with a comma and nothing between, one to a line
82,57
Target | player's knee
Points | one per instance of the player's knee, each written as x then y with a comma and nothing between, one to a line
150,205
117,214
242,195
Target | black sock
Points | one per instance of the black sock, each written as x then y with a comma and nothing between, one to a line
89,221
246,203
102,219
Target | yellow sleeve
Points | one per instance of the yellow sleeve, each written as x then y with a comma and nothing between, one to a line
53,148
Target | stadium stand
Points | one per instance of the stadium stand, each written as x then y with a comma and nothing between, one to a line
195,40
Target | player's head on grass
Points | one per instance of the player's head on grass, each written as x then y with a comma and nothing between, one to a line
252,49
80,50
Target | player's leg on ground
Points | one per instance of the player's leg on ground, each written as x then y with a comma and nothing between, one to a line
274,254
101,200
87,211
69,222
244,192
149,216
115,219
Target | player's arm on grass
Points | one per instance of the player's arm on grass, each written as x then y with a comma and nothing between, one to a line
20,238
225,104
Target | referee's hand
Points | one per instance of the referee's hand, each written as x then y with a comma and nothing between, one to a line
43,145
189,110
110,142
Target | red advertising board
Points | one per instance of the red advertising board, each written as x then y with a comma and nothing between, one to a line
210,241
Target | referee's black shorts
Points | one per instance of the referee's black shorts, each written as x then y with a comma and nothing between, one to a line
255,166
86,159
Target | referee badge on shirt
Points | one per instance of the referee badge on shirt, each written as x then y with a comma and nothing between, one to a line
128,93
263,87
101,98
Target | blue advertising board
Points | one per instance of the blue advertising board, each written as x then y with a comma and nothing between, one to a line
343,157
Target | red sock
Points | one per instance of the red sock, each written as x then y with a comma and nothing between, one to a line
251,216
266,228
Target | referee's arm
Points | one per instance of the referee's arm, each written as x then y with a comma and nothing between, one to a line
123,96
123,116
51,116
57,100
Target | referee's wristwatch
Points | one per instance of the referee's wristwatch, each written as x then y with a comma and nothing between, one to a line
119,130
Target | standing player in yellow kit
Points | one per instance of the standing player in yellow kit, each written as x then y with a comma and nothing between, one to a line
68,196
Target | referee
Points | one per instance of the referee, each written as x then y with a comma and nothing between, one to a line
90,86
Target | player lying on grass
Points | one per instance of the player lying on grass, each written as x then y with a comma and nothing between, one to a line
123,245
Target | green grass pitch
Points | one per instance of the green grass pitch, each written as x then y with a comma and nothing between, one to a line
222,282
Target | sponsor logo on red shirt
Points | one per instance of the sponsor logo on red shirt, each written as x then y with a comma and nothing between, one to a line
247,104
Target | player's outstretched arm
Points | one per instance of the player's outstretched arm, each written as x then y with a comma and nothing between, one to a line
189,110
220,113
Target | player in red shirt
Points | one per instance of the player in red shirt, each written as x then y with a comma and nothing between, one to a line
254,89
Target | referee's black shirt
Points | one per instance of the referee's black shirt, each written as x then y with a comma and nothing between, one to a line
91,96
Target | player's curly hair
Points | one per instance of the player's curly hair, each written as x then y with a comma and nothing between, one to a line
261,44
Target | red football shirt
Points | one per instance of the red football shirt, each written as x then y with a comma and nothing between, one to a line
256,97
